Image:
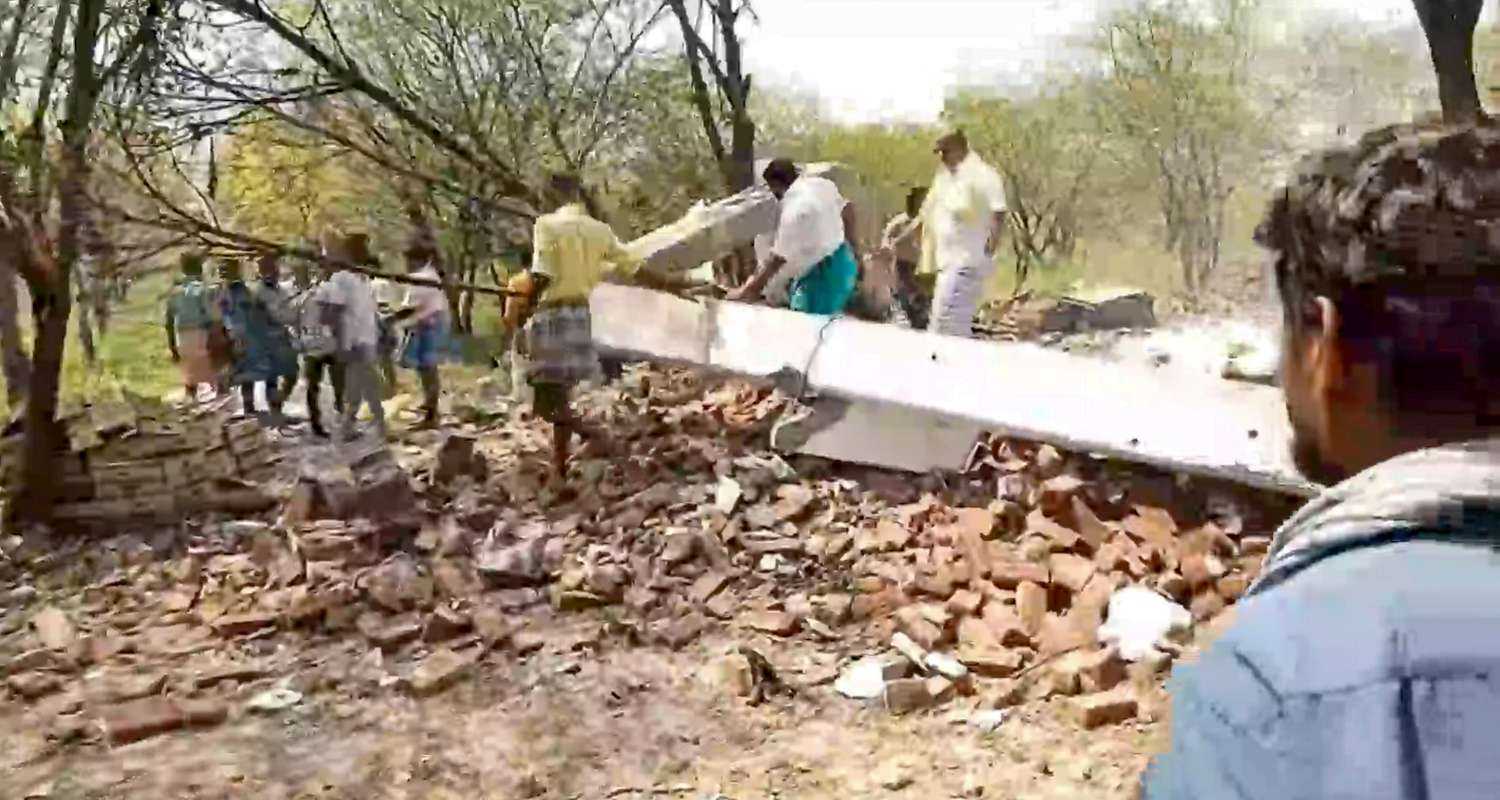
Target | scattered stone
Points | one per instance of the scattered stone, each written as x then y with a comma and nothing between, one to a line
1107,708
721,606
988,721
233,625
863,680
1031,606
1232,587
1091,530
31,685
1070,571
398,585
834,609
578,601
905,695
229,672
1011,574
1058,492
940,689
389,636
1100,671
439,671
1061,633
517,566
141,719
491,625
1005,623
455,579
886,536
991,662
965,602
443,624
731,673
892,776
1206,604
913,652
776,623
679,633
921,630
1049,462
53,628
525,642
199,713
39,659
792,500
946,665
115,687
456,458
274,700
1255,545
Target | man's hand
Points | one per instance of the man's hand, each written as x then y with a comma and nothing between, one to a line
744,294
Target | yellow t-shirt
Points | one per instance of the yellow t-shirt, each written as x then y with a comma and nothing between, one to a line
575,251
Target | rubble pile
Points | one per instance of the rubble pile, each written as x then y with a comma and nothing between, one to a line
409,569
137,458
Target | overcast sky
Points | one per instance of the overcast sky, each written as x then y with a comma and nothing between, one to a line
883,60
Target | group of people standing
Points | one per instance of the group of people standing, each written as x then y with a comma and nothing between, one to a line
943,245
330,326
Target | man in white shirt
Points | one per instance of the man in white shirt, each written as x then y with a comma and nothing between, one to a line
352,310
425,315
815,243
961,223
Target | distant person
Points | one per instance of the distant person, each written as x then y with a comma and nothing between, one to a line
189,319
1365,660
249,326
425,315
815,243
352,310
276,298
915,300
318,344
960,224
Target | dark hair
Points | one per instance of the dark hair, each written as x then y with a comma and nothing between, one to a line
1402,233
915,198
782,171
565,185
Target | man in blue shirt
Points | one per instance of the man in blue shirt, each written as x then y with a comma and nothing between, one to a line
1365,662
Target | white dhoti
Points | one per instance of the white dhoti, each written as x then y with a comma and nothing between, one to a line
960,288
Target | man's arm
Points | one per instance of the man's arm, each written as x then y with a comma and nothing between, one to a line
171,325
997,229
849,217
757,283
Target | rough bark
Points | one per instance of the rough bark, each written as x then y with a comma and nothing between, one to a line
14,363
1449,25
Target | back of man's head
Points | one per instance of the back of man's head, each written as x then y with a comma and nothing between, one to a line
565,188
1387,259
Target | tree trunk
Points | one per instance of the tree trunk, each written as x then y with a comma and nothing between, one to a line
1449,25
85,318
14,363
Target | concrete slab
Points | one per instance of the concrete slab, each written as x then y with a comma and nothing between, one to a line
1199,425
877,434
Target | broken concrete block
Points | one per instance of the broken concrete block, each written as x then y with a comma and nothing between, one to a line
1105,708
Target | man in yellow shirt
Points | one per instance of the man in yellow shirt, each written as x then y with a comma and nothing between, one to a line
572,253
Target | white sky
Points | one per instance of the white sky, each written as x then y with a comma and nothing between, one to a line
884,60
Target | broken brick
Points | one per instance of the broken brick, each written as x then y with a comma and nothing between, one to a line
1005,624
439,671
1060,634
141,719
976,633
776,623
1107,708
443,624
1233,587
909,620
1031,606
965,602
1058,492
1091,531
1206,604
905,695
31,685
707,585
1070,571
1011,574
1152,526
990,662
1100,671
241,624
1059,537
1173,585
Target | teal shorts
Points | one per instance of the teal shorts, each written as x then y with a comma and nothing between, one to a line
827,287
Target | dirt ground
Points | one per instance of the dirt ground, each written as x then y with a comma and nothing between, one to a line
592,701
627,722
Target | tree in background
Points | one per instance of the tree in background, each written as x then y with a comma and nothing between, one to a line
1449,25
1178,95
